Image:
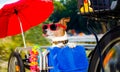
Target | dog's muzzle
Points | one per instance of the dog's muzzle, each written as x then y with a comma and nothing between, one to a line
57,42
44,31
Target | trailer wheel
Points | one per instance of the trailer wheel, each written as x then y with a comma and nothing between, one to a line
15,63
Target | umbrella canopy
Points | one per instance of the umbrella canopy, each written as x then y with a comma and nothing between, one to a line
27,12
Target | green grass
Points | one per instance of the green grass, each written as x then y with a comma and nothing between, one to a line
3,69
3,66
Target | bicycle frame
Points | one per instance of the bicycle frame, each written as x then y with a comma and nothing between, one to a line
101,10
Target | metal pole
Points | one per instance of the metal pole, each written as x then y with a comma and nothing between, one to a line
23,37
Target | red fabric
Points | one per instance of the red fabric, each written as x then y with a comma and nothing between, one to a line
30,12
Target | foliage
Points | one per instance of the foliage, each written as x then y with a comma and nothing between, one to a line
32,37
58,9
70,8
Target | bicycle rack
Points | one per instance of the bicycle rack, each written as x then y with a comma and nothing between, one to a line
43,60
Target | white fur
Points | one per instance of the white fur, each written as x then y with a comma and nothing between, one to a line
62,38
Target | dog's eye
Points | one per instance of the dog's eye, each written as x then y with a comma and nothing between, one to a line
45,27
53,27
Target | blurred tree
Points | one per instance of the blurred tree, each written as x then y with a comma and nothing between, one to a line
69,8
32,37
59,12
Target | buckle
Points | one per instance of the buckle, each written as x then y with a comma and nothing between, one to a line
64,42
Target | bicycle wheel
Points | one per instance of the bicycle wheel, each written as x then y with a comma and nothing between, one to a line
107,43
15,63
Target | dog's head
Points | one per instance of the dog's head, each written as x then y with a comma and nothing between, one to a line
55,29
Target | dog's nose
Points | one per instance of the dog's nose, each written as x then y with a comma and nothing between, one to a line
44,31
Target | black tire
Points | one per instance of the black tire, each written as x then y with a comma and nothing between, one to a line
15,60
105,44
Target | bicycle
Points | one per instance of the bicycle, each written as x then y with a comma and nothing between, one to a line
104,50
104,58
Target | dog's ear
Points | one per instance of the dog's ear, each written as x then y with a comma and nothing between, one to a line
64,21
67,19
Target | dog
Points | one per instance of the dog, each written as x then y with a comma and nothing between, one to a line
62,51
56,33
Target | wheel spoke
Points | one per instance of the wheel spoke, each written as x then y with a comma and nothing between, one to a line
12,64
15,63
111,60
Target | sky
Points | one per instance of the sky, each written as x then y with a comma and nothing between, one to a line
3,2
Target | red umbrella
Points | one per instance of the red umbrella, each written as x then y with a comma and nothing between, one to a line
23,14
